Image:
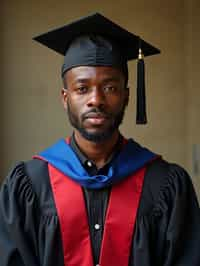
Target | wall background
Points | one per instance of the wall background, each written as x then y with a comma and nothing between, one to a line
31,113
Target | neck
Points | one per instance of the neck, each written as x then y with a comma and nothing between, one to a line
99,152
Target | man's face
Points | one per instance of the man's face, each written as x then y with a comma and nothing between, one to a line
95,98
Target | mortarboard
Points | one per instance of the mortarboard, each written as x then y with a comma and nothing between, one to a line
97,41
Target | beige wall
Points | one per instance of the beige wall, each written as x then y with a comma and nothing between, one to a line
192,68
32,116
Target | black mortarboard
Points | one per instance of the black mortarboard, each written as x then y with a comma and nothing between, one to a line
96,41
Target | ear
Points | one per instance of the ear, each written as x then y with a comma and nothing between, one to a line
64,96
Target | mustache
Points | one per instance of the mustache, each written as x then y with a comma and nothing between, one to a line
95,111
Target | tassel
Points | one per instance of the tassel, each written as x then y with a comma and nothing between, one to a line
141,117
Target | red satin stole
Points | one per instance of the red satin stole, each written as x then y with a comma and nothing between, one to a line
119,222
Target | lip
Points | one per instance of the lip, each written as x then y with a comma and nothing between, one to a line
96,116
96,120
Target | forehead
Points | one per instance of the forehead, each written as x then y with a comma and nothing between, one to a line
94,72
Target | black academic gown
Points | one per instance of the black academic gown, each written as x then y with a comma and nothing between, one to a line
167,230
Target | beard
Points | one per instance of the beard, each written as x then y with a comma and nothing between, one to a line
115,118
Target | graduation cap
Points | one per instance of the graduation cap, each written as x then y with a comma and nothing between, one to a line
97,41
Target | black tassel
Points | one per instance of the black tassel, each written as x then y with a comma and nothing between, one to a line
141,117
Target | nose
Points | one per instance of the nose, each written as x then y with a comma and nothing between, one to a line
96,98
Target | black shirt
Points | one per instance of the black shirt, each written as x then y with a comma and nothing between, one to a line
96,200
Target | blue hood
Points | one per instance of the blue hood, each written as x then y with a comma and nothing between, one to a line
131,158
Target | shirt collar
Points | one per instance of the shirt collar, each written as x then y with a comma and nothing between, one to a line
87,163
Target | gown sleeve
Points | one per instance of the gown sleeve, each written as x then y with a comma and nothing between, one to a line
18,208
182,215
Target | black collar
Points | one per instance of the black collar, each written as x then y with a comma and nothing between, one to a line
89,165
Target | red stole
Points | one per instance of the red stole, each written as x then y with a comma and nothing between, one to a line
119,222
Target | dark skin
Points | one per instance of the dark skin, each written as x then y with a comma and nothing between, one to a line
101,88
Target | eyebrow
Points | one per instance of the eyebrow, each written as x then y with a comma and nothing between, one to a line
111,79
82,80
104,80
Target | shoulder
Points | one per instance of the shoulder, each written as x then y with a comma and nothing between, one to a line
161,173
37,171
25,181
26,171
164,184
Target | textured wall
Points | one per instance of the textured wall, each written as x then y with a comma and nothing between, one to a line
192,68
32,116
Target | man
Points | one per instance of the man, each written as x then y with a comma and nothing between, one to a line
97,198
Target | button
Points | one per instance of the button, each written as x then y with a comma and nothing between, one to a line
97,226
89,163
97,264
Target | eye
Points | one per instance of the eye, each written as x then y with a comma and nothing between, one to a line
110,89
82,89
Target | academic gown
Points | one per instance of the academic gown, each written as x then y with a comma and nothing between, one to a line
167,229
